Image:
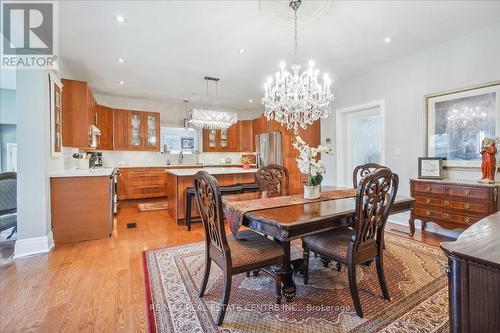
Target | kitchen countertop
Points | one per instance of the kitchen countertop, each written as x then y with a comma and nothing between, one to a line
97,172
212,171
180,166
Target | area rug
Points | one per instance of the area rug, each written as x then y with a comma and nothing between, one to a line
149,206
414,273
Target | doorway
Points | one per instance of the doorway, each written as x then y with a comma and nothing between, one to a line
360,138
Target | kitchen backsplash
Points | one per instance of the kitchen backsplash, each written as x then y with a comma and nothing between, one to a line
116,158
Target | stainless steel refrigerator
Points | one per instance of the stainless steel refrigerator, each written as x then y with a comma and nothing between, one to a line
268,148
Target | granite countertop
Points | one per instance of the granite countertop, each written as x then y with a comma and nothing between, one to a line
212,171
97,172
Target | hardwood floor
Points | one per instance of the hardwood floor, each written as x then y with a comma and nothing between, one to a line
97,285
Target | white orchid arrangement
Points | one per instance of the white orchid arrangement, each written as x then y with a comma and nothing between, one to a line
308,163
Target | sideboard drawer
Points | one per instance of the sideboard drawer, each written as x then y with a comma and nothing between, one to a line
430,213
479,208
429,188
463,219
428,201
469,192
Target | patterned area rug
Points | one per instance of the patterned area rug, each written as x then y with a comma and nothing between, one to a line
414,273
149,206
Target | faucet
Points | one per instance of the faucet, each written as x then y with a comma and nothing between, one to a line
181,157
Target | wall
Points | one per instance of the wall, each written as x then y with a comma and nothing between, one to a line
8,106
467,60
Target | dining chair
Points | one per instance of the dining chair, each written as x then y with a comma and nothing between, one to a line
8,202
362,170
364,241
273,178
249,252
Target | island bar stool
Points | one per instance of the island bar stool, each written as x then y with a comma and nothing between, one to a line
190,194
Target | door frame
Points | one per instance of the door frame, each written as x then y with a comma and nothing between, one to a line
343,175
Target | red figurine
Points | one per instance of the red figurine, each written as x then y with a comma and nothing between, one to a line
488,166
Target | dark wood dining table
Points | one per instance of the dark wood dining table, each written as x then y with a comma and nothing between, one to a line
288,223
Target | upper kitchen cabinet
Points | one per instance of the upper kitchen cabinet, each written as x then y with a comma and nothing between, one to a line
79,113
105,124
120,129
136,130
247,137
221,140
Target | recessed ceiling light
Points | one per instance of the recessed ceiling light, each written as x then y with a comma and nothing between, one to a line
250,101
388,40
120,60
122,83
120,18
241,50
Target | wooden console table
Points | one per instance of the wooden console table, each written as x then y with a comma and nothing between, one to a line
452,203
474,277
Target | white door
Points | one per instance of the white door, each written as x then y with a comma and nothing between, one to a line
360,139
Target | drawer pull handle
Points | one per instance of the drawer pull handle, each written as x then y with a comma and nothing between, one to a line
446,203
467,192
427,212
427,200
446,215
428,188
467,219
466,206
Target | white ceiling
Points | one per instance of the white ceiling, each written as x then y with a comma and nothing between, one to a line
169,46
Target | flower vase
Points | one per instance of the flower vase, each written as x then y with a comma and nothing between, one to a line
246,165
312,192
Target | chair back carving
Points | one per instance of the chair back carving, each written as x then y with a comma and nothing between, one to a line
362,170
273,178
209,202
375,196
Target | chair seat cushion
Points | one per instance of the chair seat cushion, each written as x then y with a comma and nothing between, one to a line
333,243
252,248
8,221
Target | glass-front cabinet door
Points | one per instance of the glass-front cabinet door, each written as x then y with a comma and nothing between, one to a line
135,140
223,139
151,132
212,139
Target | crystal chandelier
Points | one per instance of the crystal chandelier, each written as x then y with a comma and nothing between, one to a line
211,119
297,99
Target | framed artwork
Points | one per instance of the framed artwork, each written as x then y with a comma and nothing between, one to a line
430,168
55,115
459,120
187,143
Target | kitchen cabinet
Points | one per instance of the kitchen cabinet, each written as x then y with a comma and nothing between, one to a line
136,130
222,140
247,137
105,124
79,113
120,129
143,130
139,183
81,208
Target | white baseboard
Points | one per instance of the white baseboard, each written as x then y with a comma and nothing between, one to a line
33,246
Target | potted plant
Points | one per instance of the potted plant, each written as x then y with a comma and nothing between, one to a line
309,165
246,162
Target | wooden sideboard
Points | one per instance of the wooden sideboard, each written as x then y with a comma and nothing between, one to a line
474,277
452,203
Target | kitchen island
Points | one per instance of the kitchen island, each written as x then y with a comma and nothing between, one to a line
179,180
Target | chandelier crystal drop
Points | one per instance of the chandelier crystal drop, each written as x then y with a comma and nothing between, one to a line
297,99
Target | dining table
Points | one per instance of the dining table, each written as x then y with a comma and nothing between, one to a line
294,221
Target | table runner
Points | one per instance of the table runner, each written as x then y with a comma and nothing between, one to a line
235,210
